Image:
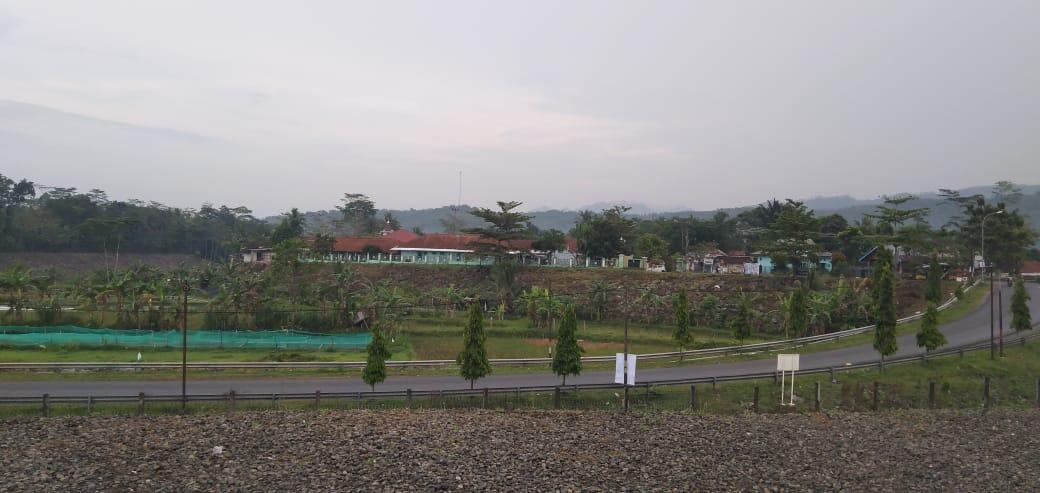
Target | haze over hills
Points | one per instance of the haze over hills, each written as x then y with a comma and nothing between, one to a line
853,209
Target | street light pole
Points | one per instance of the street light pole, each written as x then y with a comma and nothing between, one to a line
184,349
985,270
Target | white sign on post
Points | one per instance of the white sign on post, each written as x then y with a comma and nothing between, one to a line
786,363
620,367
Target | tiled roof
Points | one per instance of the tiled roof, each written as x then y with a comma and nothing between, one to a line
356,244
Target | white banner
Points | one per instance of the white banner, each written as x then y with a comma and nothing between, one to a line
620,367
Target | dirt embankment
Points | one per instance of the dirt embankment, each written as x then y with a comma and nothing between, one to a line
472,450
72,264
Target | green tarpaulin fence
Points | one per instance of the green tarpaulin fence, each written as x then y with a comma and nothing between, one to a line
71,335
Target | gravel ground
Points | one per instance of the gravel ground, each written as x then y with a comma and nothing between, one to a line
532,451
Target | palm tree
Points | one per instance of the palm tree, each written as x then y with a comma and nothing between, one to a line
599,298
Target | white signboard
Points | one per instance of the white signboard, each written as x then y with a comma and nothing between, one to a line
620,367
787,362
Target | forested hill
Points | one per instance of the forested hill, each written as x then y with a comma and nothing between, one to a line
852,209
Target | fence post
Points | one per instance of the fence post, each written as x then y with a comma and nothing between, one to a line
693,397
408,398
754,402
931,395
816,401
556,397
833,378
648,394
985,391
274,400
517,397
924,359
46,405
876,397
485,403
714,383
90,404
776,378
317,399
231,400
140,404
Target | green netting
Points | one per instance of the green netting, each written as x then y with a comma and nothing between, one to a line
71,335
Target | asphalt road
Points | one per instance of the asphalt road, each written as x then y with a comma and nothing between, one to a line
972,328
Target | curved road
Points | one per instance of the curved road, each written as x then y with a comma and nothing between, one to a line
972,328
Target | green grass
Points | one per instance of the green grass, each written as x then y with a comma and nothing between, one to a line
959,385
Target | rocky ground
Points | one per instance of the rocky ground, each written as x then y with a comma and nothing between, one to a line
528,451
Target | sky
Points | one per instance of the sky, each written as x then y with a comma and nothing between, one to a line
675,104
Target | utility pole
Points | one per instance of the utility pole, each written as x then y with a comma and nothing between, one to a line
624,365
992,338
184,349
1000,319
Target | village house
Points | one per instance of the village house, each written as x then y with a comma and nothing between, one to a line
259,255
1030,270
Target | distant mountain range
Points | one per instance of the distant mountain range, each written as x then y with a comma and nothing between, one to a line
431,220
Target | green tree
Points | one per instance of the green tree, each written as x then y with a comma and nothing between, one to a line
933,286
375,363
745,317
552,240
567,355
928,336
473,360
709,310
1020,316
681,335
323,243
651,246
359,213
504,225
790,236
290,228
17,282
883,294
797,312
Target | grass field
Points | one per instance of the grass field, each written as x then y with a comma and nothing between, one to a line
959,385
417,339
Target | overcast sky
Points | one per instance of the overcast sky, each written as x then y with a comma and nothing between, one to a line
704,105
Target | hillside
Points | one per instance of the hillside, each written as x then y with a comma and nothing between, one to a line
853,209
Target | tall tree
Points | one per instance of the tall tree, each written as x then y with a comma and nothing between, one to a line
473,360
933,285
290,228
892,215
359,213
1021,319
567,355
503,226
682,335
375,363
883,294
745,317
651,246
798,311
928,336
323,243
790,236
708,311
